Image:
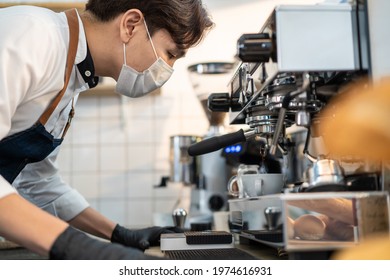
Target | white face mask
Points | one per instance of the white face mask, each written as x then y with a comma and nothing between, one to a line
132,83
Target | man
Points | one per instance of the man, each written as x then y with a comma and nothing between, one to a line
134,42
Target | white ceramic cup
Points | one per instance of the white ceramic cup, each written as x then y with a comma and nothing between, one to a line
251,185
234,185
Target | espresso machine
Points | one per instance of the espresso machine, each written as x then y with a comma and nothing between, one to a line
301,58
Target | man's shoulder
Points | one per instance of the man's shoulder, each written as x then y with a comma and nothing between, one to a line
28,11
35,42
33,31
31,20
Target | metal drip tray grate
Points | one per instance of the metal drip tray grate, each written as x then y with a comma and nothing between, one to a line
209,254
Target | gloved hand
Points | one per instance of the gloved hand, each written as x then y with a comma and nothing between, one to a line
141,238
75,245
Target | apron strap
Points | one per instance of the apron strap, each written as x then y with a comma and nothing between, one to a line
73,23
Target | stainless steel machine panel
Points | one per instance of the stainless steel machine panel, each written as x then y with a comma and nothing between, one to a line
379,36
249,213
316,37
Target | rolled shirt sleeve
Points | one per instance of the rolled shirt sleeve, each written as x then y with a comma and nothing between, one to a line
5,188
41,184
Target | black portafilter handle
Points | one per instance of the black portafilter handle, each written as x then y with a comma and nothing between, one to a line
215,143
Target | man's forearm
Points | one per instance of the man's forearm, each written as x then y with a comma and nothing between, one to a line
94,223
27,225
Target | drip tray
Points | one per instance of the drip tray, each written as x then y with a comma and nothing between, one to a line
196,240
209,254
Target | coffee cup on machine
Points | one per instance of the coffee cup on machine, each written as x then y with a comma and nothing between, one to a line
252,185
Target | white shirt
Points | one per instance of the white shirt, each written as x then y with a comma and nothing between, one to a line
33,51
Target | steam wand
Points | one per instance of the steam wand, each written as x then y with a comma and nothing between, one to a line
215,143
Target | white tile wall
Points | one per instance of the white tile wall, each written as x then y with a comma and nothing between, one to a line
87,183
139,212
140,184
85,158
140,157
113,185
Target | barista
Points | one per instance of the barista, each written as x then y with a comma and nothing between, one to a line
134,42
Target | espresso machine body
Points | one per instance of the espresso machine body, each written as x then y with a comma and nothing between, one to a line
303,56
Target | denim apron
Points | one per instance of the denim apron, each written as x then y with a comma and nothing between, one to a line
36,143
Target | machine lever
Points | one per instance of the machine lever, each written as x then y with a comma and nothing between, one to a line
218,142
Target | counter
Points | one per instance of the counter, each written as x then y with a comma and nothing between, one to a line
19,254
12,251
254,249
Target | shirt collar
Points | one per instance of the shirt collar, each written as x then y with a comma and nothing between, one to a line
87,70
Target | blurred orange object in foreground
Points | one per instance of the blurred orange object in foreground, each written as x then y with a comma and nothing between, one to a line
357,122
376,247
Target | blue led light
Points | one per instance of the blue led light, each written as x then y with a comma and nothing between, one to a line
233,149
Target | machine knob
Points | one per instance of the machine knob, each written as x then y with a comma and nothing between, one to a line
216,202
179,217
272,215
222,102
258,47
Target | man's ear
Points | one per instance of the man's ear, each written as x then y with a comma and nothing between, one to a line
130,19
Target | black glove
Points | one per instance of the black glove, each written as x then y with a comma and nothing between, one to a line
141,238
75,245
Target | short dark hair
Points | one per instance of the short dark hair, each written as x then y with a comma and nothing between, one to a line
185,20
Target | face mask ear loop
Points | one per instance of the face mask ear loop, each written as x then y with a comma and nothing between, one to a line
124,53
150,38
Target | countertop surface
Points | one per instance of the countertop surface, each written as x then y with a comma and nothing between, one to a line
13,251
257,250
19,254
